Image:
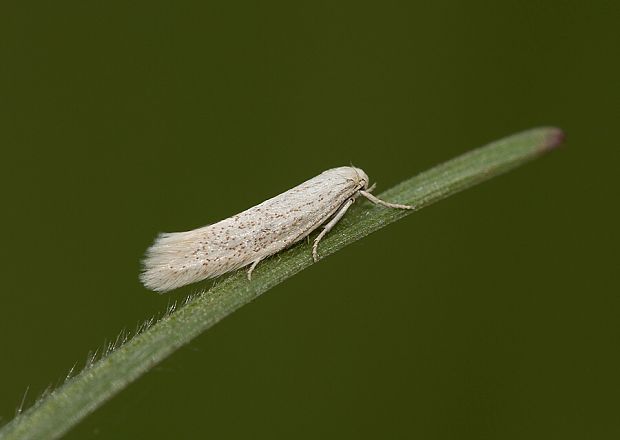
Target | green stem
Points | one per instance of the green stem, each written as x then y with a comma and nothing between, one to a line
54,414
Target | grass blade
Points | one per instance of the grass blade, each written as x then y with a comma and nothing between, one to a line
54,414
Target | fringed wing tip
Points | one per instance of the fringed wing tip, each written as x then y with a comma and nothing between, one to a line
157,272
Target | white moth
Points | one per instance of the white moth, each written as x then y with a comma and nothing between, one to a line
180,258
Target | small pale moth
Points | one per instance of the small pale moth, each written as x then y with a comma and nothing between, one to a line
180,258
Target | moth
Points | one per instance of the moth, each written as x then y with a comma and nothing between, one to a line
179,258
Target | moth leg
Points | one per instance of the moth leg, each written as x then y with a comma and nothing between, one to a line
378,201
329,226
252,268
372,188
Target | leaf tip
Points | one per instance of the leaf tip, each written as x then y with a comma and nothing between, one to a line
553,139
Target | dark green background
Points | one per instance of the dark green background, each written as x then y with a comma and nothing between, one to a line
494,314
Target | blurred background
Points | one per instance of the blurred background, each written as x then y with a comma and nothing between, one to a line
493,314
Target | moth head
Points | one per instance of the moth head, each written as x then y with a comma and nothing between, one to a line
363,178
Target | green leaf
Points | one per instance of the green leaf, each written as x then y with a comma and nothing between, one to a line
55,413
